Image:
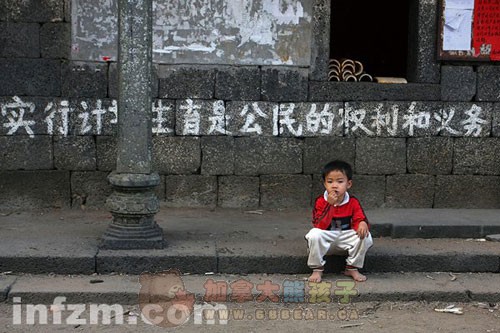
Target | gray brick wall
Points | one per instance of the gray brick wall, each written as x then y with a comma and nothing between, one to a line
19,40
44,77
285,191
246,136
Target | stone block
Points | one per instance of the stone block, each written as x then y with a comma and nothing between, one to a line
284,84
238,83
191,191
262,155
391,119
423,31
200,117
317,188
369,91
163,117
496,120
21,152
488,83
410,191
55,40
161,190
310,119
89,189
285,191
432,156
67,10
476,156
113,80
380,156
320,46
31,77
238,192
85,79
106,150
176,155
94,116
178,82
32,11
217,155
251,118
458,83
370,190
74,153
457,191
321,150
19,40
465,119
22,190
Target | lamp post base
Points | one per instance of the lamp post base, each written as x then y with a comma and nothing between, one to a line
133,205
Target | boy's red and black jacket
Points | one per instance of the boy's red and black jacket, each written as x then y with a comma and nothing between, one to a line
326,216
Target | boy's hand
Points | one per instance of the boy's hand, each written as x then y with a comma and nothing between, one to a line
333,198
362,229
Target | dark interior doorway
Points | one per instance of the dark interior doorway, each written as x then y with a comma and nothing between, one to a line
372,32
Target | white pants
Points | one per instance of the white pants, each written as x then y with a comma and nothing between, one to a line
324,242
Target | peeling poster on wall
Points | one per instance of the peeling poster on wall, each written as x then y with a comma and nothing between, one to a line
252,32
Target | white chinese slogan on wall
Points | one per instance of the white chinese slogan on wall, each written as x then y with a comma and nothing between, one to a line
23,116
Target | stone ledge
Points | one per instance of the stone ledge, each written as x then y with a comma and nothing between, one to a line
368,91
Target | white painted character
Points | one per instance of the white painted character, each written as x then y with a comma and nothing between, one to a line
473,124
159,120
63,109
416,119
191,118
251,113
321,122
445,118
218,120
15,112
283,118
354,121
386,120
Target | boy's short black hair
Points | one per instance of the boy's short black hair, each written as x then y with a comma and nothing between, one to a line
337,165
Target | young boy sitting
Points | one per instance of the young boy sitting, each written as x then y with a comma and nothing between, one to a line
339,224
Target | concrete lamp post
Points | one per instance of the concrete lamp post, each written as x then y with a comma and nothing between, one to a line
133,202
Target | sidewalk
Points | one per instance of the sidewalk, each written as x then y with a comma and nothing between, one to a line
60,247
235,241
380,287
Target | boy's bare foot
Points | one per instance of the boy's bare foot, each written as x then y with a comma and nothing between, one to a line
355,274
316,276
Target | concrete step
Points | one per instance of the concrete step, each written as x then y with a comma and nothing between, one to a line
263,256
124,289
235,241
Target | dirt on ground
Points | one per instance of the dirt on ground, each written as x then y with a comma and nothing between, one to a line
252,317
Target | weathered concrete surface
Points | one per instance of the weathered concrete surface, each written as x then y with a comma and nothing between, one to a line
493,238
195,256
124,289
230,240
6,283
66,244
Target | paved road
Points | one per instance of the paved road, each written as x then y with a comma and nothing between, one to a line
364,317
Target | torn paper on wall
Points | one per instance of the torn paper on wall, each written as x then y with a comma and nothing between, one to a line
457,31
